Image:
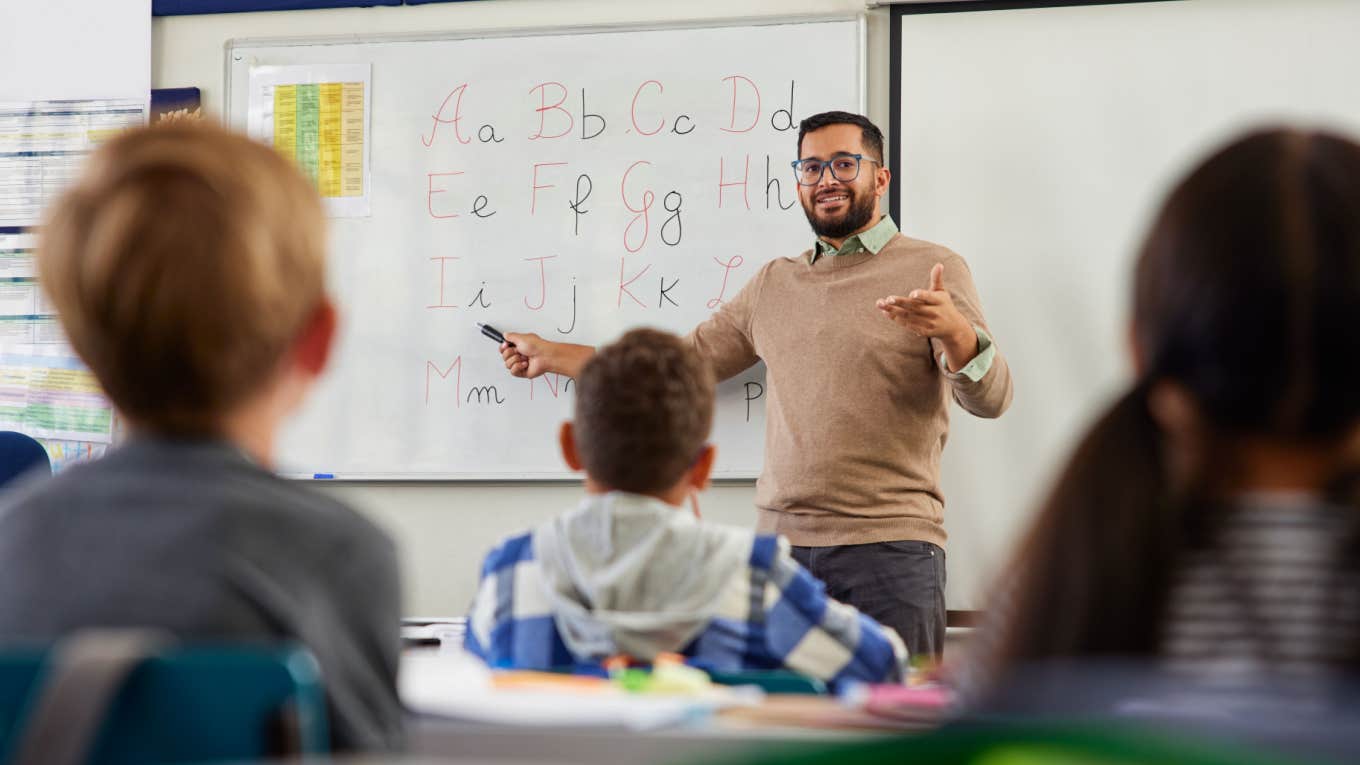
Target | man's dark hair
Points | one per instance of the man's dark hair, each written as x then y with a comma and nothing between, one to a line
870,135
644,408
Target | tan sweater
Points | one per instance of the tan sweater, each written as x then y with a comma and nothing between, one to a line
857,406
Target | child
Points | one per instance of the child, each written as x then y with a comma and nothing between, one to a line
188,267
1207,523
632,571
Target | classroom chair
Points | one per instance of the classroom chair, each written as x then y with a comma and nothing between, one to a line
115,697
20,453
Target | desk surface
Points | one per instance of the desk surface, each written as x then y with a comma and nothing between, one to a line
485,725
473,742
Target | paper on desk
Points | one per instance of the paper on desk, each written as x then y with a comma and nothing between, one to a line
458,685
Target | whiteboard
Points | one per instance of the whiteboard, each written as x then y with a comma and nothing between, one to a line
581,144
1038,143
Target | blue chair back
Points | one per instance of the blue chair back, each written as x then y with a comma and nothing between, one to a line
196,704
20,453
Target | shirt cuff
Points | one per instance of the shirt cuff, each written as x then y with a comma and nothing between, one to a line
976,369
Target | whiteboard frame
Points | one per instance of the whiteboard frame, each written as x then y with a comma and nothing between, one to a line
234,61
236,119
898,11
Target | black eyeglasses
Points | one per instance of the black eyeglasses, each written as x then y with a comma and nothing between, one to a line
844,168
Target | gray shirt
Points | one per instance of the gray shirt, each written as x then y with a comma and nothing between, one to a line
194,538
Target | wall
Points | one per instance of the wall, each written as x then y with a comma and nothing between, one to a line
443,528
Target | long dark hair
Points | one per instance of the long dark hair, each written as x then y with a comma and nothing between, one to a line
1247,297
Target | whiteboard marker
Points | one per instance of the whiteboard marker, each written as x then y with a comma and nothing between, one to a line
493,333
322,476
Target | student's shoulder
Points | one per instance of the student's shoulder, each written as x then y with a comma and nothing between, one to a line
774,555
30,503
260,498
765,550
509,552
729,543
76,488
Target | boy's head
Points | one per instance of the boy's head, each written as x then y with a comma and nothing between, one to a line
644,408
188,267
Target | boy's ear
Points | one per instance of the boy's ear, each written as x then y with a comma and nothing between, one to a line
312,348
566,437
703,467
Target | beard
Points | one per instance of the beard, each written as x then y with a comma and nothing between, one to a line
859,210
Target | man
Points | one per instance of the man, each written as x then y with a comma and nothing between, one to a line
858,383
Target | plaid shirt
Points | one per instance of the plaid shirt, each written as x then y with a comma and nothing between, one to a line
772,615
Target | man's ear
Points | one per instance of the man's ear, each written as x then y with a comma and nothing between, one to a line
703,467
566,437
312,348
882,179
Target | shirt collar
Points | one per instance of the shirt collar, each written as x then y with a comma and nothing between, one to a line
872,239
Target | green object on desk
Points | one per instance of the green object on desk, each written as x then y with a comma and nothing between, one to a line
772,681
633,679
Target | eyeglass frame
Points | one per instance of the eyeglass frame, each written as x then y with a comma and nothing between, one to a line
826,164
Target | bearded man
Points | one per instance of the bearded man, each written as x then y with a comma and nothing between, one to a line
866,337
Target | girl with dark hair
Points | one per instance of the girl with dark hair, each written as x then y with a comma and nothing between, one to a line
1209,518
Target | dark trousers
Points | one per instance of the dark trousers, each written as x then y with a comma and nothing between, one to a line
900,584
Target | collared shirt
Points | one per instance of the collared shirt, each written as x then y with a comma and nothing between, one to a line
872,239
875,238
975,369
775,615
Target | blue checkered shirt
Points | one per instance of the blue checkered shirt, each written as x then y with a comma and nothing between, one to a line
772,615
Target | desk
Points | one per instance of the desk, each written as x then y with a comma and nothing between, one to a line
486,729
435,737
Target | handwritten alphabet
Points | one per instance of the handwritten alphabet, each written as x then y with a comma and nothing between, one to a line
527,135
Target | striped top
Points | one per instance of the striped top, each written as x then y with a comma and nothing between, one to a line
1274,592
1273,598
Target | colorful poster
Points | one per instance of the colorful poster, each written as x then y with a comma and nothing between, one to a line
64,454
45,391
318,116
50,394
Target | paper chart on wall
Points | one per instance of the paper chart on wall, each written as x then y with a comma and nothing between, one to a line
16,255
43,145
25,317
318,116
48,393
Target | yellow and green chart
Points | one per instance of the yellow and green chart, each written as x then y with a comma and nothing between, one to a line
321,126
53,396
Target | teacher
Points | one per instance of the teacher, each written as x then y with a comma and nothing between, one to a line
859,381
